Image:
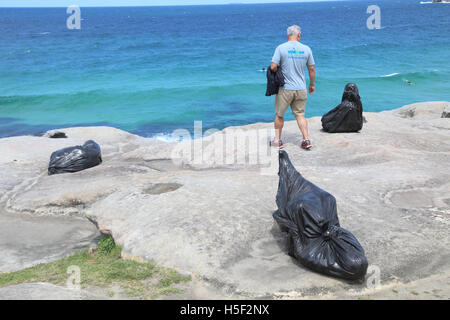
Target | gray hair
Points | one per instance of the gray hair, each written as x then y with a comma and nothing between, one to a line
293,30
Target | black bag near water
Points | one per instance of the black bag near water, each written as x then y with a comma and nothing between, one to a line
346,117
74,159
309,215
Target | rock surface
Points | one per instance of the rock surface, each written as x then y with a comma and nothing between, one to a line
46,291
27,240
391,182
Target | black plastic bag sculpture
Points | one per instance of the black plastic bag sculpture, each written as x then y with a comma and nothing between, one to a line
309,215
346,117
73,159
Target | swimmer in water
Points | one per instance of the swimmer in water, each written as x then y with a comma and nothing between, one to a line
262,70
409,82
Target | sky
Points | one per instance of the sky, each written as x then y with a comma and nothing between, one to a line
101,3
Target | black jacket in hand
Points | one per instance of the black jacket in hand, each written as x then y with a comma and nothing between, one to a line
275,80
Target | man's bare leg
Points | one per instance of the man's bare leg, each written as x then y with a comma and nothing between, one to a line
279,123
303,125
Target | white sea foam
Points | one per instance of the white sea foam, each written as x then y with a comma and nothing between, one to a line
164,137
390,75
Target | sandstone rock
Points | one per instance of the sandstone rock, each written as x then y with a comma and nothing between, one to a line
29,240
422,110
214,218
46,291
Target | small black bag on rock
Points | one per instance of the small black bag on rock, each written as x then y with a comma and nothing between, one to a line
309,215
346,117
74,159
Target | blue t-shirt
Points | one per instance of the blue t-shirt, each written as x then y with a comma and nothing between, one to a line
293,57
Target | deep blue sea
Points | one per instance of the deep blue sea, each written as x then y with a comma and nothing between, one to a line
150,70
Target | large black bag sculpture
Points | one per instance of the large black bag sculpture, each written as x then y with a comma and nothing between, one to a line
73,159
346,117
309,215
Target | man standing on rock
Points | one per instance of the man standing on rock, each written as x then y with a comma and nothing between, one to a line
292,57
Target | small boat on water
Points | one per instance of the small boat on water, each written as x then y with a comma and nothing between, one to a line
435,1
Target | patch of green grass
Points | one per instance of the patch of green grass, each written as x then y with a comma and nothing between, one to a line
170,277
103,269
106,245
415,293
165,292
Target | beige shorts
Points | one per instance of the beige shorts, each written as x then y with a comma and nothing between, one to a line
294,98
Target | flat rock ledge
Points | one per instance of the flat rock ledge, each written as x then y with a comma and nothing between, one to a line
213,218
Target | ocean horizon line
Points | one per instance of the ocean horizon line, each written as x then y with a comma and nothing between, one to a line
180,5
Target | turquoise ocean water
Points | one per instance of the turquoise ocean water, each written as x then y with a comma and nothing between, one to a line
150,70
